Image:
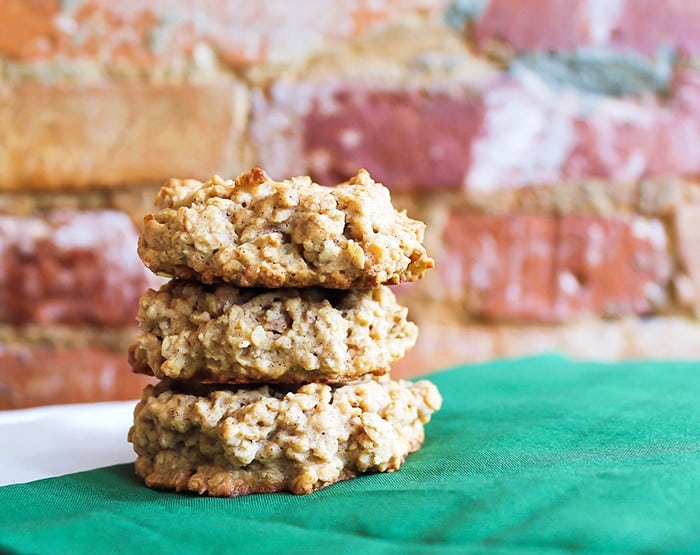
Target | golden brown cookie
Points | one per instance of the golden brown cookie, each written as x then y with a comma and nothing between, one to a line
224,334
228,443
256,232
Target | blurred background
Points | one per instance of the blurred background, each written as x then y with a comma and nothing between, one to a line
552,147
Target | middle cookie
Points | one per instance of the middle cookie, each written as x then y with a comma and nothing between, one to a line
225,334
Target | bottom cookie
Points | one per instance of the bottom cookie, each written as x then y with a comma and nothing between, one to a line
226,443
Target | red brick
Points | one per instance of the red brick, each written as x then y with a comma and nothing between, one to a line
564,136
501,134
637,25
534,24
406,138
531,267
503,266
646,25
619,267
70,268
41,375
627,140
240,32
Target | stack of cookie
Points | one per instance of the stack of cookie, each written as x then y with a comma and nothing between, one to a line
275,336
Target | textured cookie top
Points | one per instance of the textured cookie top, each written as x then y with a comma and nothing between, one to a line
256,232
220,333
234,442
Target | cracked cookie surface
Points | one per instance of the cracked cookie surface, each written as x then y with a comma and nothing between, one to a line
224,334
228,443
256,232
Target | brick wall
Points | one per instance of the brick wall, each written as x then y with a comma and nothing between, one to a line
553,149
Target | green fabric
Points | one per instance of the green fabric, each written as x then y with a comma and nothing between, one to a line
540,455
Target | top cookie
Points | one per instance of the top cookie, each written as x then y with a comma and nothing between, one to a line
256,232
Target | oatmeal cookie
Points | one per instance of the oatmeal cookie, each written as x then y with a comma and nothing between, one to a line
220,333
256,232
229,443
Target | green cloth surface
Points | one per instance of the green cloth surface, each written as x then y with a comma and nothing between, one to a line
540,455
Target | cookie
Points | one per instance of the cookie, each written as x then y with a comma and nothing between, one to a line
256,232
228,443
224,334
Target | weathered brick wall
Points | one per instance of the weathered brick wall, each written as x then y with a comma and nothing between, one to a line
551,25
594,269
162,33
552,147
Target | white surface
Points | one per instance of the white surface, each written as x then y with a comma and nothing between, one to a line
56,440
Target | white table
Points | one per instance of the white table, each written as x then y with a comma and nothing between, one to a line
52,441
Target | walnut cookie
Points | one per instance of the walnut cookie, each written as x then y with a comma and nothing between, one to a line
228,443
223,334
256,232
